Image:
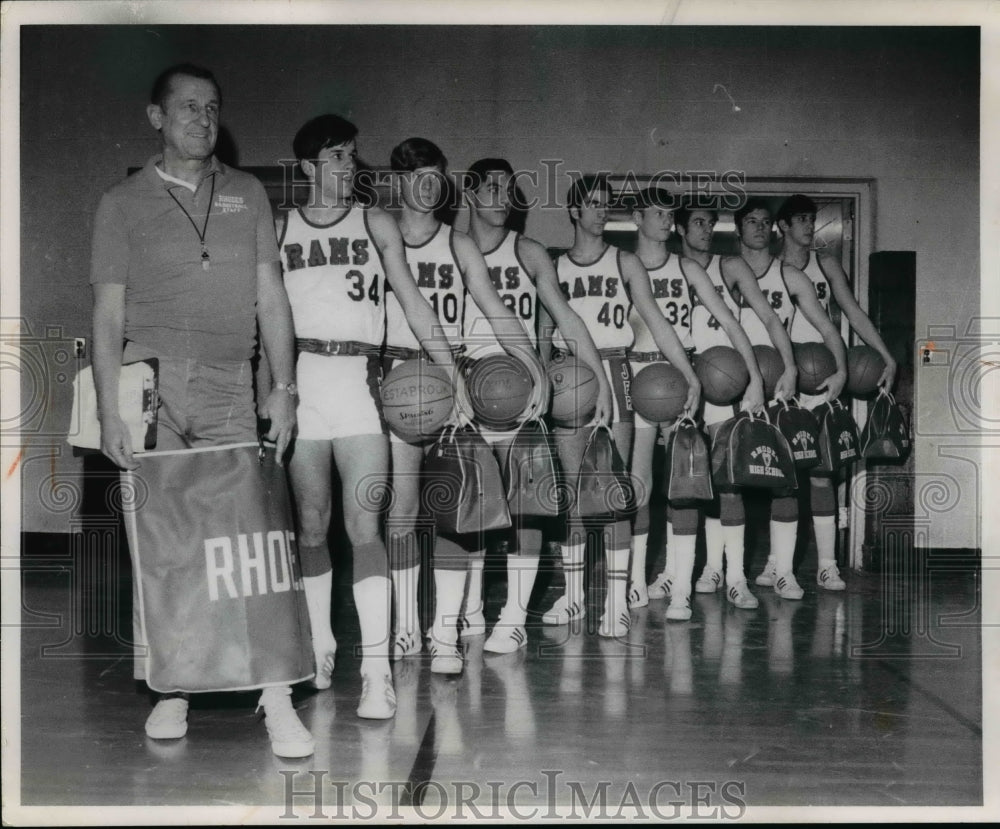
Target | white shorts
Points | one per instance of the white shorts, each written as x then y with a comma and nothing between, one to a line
712,414
811,401
338,397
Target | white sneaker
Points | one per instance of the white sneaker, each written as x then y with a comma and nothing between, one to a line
405,643
708,581
615,627
378,699
289,737
660,588
168,719
563,612
829,578
638,596
472,624
447,659
740,596
787,587
506,638
679,609
769,575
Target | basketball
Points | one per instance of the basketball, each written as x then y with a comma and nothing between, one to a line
723,374
771,367
864,369
815,364
417,398
659,392
500,388
574,392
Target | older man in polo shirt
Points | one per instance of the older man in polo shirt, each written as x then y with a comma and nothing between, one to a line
185,261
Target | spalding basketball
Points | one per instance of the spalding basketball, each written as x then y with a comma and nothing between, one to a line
659,392
864,369
417,398
574,391
815,363
500,389
723,374
771,367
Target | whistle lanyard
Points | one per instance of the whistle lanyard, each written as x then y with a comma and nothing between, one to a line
205,258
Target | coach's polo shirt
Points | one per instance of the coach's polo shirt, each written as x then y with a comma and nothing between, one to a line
144,240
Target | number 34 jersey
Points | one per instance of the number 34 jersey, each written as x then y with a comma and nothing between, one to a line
597,293
333,277
672,295
436,271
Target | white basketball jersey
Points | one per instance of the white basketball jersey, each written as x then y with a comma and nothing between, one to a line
516,290
597,293
773,287
439,278
802,330
333,276
673,298
706,331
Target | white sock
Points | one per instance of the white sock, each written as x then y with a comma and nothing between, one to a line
616,570
373,599
715,543
826,540
668,556
637,568
521,572
449,591
734,536
783,535
683,565
404,592
474,587
573,564
319,600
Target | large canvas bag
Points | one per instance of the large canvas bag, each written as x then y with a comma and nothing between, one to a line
220,597
531,471
838,437
750,451
886,435
688,464
801,430
463,488
603,486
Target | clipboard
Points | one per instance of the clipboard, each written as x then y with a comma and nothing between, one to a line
138,401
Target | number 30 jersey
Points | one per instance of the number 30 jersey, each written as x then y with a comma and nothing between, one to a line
672,295
804,331
597,293
436,271
333,277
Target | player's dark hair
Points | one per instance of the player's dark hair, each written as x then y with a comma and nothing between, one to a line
795,206
321,132
164,81
478,171
753,203
654,197
586,186
688,205
414,153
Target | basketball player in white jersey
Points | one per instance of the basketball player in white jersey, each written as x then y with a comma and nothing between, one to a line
335,255
447,265
691,302
602,283
523,276
796,220
790,293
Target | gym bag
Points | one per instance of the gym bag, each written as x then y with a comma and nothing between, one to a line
603,486
750,451
462,488
531,471
688,464
886,435
838,437
800,429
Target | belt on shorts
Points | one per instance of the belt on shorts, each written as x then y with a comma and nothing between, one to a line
336,348
605,353
399,352
653,356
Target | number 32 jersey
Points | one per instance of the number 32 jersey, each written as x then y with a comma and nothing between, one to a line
597,293
333,277
672,295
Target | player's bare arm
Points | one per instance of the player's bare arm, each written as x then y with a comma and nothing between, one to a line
637,279
274,318
574,330
803,294
108,333
701,284
739,278
856,316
